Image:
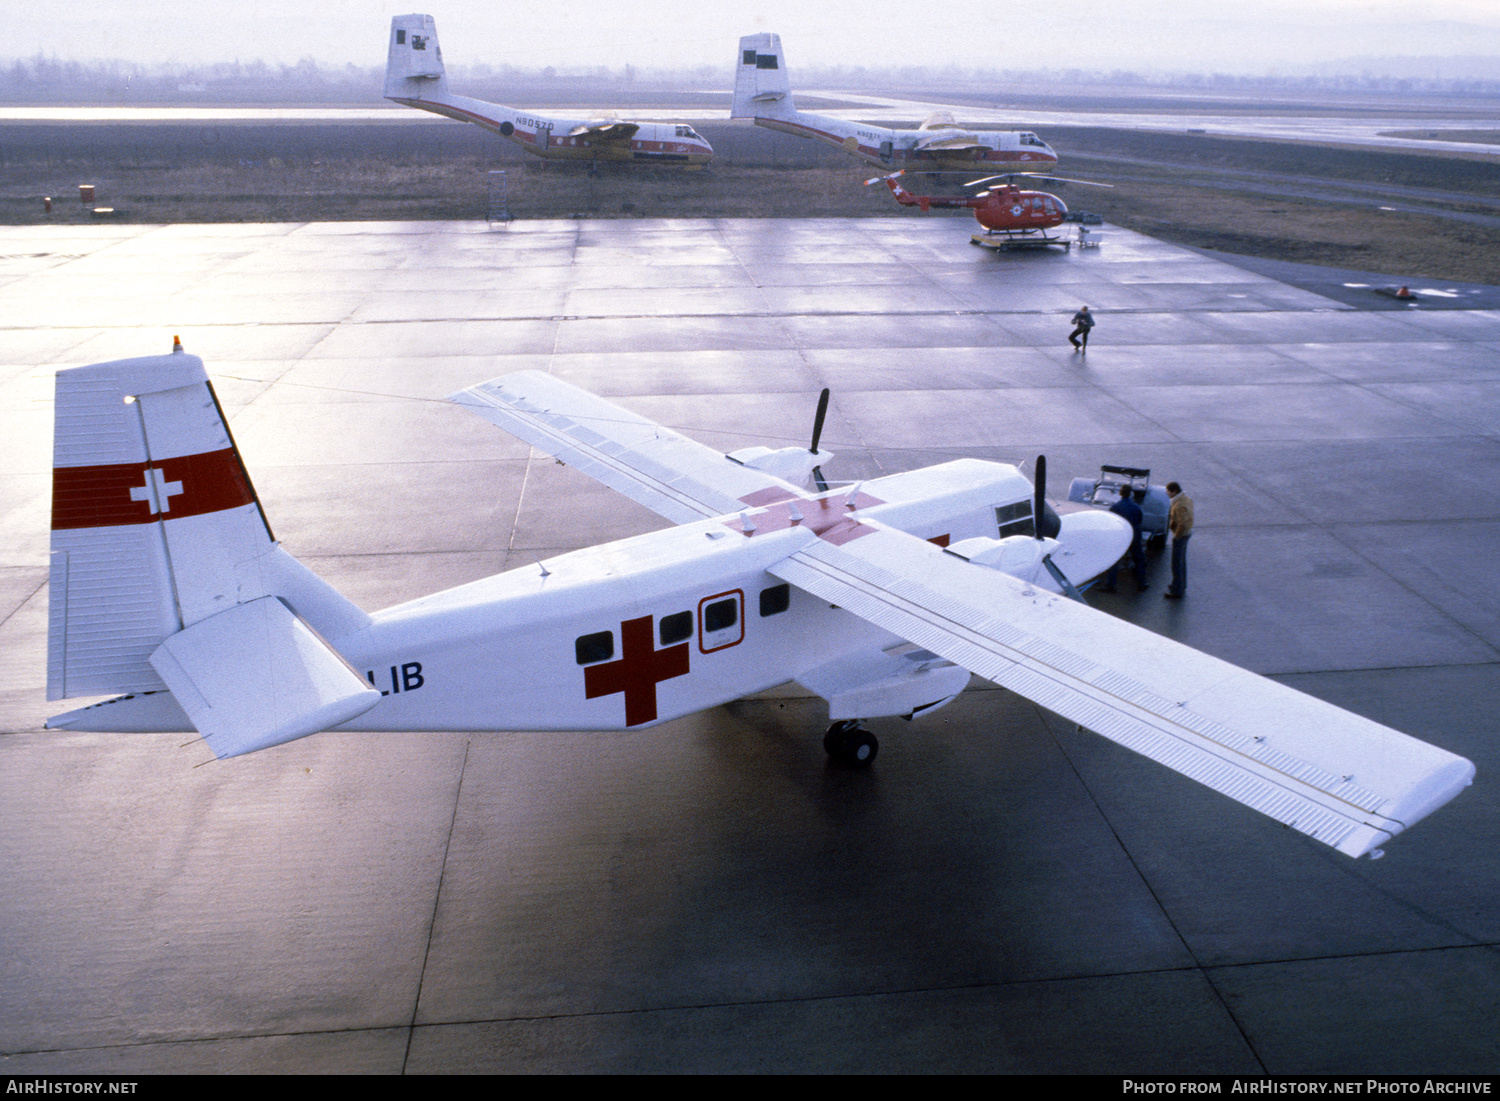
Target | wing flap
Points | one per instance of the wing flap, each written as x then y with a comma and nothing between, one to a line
668,473
1333,775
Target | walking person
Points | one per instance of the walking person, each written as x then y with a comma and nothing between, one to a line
1083,321
1180,524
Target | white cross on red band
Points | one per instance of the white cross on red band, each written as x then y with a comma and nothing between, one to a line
117,494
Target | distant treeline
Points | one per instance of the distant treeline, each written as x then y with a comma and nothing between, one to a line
47,80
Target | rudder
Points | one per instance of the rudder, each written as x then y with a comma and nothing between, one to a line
761,85
414,62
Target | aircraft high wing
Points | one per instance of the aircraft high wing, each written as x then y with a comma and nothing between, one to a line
1333,775
416,77
605,130
763,92
881,597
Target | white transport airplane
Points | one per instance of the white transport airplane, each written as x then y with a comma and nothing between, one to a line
763,92
415,76
168,586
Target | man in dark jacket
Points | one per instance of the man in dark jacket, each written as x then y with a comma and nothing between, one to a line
1083,321
1130,510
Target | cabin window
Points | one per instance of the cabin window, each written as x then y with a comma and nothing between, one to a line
721,621
599,646
765,61
1014,519
674,628
720,615
401,38
775,600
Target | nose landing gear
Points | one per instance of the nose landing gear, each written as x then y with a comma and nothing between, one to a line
850,744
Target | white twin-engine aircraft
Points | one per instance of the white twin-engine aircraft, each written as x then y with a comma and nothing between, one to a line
415,77
763,92
880,597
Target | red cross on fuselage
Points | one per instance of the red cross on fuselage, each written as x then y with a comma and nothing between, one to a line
637,672
827,516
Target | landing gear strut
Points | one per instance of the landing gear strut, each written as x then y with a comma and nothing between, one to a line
850,744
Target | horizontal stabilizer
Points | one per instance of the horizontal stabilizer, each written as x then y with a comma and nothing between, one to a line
256,676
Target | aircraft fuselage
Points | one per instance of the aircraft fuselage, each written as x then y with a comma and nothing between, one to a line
996,149
656,626
553,138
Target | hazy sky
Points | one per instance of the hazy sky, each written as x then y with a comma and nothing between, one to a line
1256,36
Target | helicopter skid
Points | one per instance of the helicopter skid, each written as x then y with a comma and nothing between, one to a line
1005,242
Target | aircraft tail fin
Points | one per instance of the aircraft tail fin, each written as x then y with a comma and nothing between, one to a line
903,196
762,88
414,63
159,544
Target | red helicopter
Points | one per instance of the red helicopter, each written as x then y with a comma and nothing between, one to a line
1003,210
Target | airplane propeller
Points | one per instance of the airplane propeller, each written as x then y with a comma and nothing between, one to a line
1039,495
1042,525
1045,522
817,434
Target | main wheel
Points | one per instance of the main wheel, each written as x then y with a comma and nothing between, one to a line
849,743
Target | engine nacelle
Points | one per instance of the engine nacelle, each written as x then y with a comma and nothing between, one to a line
1018,555
790,464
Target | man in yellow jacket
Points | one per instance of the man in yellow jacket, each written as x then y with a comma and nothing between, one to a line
1180,524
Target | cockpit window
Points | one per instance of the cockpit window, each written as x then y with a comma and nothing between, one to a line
1016,520
1032,139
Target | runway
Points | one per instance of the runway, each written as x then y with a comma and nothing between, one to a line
1001,893
1358,123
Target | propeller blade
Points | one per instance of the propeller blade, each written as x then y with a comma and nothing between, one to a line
818,420
1069,589
1038,500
